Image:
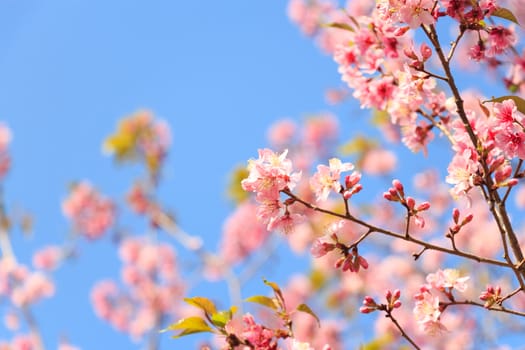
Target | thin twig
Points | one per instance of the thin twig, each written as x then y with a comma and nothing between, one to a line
401,330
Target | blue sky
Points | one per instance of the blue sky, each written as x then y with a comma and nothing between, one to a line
218,72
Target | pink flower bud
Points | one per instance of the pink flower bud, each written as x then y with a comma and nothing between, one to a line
339,262
467,219
368,300
362,261
366,310
455,215
397,294
357,188
398,186
410,53
353,179
423,206
411,202
397,304
348,183
401,30
426,51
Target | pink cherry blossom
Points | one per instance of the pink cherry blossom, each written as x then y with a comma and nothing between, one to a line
326,179
427,312
270,174
448,279
259,336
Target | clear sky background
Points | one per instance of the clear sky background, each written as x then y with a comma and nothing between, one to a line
218,72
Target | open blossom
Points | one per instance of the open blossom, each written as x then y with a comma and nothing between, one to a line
286,222
259,336
327,178
448,278
427,312
499,40
270,174
511,140
506,112
462,170
416,12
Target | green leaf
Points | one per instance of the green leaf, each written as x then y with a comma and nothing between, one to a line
520,103
189,325
263,300
339,25
202,303
505,14
305,308
188,332
278,294
221,318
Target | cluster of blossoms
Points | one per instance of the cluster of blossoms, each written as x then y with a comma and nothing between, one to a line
270,174
397,194
152,284
501,134
91,213
428,309
392,302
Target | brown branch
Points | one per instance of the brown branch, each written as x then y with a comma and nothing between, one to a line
399,235
401,330
496,205
475,303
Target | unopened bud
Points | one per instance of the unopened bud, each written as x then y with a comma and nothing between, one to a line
423,206
455,215
426,51
398,185
411,202
401,30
